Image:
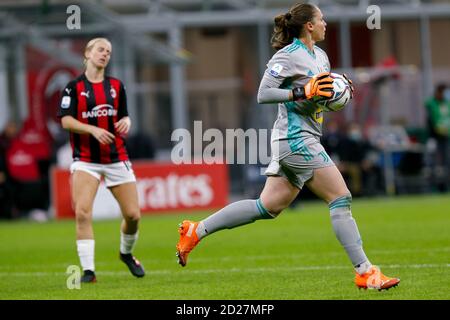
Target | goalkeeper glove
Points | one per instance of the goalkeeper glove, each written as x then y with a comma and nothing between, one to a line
319,85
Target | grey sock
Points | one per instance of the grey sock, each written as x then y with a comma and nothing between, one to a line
234,215
346,230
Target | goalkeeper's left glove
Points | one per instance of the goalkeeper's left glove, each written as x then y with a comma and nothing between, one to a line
320,85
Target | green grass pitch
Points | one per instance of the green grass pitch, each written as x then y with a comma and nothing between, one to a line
293,257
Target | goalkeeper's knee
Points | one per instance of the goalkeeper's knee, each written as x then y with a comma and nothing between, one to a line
265,212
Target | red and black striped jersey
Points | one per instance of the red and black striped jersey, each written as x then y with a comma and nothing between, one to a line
100,104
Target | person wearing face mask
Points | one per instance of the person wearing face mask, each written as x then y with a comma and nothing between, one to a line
358,161
438,123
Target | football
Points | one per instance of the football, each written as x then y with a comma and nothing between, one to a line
340,97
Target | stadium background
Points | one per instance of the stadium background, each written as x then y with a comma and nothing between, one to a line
201,60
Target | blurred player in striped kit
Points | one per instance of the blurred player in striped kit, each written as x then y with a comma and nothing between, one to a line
94,109
298,73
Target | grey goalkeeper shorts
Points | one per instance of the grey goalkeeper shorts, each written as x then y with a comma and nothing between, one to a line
297,160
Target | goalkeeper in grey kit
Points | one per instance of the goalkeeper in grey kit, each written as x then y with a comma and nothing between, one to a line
297,75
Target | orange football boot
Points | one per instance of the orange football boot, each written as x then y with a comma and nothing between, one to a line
188,240
374,279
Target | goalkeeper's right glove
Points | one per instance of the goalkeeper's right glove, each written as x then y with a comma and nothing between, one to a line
319,85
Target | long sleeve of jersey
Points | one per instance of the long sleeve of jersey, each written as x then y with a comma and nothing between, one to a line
273,87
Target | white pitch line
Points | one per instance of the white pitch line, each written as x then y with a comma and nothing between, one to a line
292,255
242,270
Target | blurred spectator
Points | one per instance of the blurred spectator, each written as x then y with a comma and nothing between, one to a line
6,194
438,123
28,174
9,133
140,146
5,190
355,157
332,139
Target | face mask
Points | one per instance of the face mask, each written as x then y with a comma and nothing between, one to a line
447,94
355,135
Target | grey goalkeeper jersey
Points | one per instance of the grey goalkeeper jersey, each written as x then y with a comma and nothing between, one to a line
291,67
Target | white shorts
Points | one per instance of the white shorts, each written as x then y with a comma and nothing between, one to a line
114,173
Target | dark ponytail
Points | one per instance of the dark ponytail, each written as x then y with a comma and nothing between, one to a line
290,25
